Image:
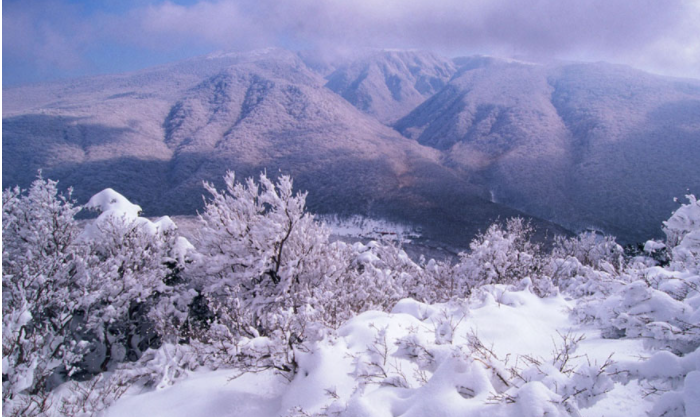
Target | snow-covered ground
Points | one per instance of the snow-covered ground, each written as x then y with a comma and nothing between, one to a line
513,324
292,324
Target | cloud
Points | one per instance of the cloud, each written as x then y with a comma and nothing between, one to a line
48,34
676,52
658,35
596,29
224,24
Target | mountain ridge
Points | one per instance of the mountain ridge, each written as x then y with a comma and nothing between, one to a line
566,141
388,84
577,144
264,112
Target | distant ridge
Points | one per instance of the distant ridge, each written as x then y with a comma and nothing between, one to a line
470,140
389,84
584,145
156,135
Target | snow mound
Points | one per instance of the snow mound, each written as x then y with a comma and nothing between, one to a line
117,210
110,202
450,359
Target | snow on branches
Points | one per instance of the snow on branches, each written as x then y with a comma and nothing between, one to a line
40,288
265,290
73,301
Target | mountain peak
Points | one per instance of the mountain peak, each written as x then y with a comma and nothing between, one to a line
387,84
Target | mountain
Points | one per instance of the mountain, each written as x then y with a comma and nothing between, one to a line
389,84
155,135
584,145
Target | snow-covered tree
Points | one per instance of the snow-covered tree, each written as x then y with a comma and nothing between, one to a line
375,277
501,255
40,268
682,231
258,241
590,249
75,300
263,260
130,260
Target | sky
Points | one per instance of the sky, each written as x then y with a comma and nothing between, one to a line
52,39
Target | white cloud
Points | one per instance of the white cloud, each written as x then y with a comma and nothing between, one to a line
657,35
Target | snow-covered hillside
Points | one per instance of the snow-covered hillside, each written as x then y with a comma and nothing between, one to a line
157,138
262,315
583,145
375,365
389,84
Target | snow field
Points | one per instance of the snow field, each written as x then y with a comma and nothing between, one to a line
363,370
271,319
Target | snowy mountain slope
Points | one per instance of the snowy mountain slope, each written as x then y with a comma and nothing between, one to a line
515,326
584,145
111,126
389,84
165,81
155,135
257,120
342,329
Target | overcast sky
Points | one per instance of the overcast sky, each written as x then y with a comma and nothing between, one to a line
50,39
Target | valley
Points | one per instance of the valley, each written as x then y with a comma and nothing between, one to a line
448,145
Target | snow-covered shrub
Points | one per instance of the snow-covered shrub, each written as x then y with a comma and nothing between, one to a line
590,249
91,397
677,379
438,357
585,265
130,262
263,262
157,368
502,255
569,275
40,295
377,276
661,306
646,308
442,281
581,385
650,253
257,240
682,231
72,300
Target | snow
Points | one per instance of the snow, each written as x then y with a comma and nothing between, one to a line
322,372
114,207
111,202
389,84
623,401
652,245
691,394
512,345
360,227
510,323
181,249
24,318
684,221
206,394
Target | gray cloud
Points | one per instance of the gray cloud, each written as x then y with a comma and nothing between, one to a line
593,29
663,36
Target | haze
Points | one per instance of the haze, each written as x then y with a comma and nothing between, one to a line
53,39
